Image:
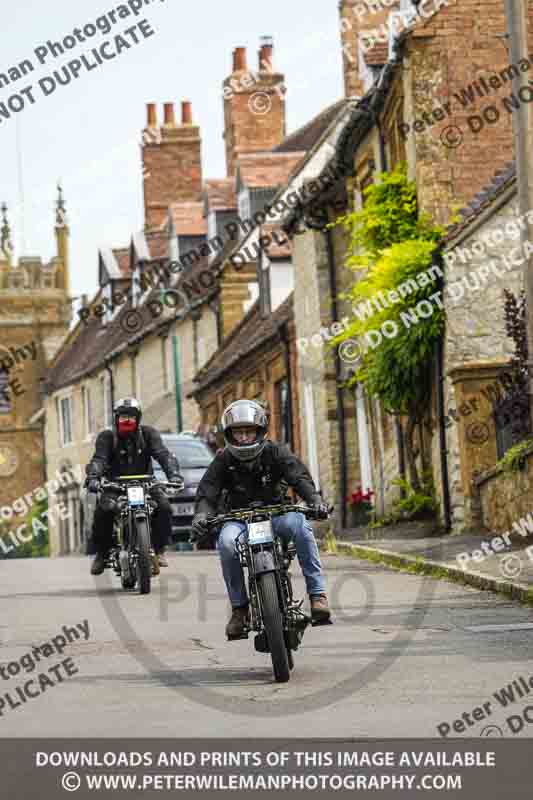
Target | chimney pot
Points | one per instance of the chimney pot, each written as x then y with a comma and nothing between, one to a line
170,119
265,53
151,110
186,113
239,59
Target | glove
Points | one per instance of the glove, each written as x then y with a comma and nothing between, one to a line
93,485
320,508
199,529
175,477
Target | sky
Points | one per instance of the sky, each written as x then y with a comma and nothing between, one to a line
87,134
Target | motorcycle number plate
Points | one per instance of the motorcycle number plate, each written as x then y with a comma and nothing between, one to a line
260,533
136,496
183,509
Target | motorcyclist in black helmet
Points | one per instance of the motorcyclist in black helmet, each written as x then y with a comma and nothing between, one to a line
128,449
252,468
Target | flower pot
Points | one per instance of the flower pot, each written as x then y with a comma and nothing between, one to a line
360,515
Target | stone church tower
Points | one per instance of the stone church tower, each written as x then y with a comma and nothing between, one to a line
35,314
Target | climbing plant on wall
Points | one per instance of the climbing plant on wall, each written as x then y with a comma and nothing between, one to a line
391,247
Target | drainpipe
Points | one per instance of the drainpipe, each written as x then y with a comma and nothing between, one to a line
111,383
177,382
319,224
441,415
338,378
284,336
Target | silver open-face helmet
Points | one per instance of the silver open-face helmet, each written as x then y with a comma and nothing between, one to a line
245,414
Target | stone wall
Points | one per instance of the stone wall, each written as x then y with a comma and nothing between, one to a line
477,348
506,497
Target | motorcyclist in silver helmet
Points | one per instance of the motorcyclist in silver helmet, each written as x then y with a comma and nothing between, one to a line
249,469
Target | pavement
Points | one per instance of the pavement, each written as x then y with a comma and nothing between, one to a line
405,655
483,560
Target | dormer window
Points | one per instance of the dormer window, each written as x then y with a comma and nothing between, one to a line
244,204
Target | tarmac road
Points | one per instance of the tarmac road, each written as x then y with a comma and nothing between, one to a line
399,660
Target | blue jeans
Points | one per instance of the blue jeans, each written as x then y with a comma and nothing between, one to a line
288,526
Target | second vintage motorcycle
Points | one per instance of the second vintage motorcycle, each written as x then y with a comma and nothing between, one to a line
131,554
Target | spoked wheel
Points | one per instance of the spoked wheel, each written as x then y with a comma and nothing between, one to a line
144,564
273,622
290,657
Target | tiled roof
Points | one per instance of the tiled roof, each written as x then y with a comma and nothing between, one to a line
220,194
261,170
250,334
85,352
188,219
503,179
306,137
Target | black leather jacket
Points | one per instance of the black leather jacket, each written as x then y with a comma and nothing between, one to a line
264,480
132,455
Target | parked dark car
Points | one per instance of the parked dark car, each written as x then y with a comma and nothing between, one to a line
194,457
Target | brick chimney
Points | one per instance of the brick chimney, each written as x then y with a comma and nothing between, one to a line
254,105
172,162
356,18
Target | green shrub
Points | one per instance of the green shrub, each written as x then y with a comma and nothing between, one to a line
416,504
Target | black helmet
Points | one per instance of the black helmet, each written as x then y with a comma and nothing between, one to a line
243,414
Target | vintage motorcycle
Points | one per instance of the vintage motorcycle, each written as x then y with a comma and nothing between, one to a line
131,555
275,615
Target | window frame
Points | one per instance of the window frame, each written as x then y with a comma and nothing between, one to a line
68,399
89,419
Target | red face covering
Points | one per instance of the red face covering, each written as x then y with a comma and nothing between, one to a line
126,427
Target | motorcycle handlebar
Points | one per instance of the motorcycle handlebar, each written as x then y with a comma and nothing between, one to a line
244,513
122,487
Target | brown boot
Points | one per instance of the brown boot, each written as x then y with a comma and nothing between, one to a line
235,629
319,608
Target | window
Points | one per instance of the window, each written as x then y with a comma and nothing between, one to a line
283,426
65,420
88,413
5,402
106,401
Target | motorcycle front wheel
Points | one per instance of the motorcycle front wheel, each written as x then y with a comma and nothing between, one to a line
144,564
273,622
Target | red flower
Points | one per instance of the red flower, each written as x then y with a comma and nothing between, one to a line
361,497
